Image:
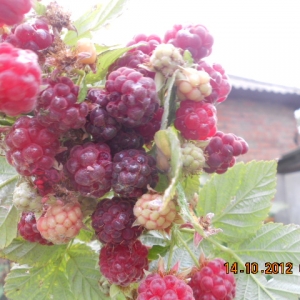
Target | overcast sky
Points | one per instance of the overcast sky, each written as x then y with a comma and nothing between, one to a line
258,39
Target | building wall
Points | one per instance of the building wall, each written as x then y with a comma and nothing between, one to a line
265,120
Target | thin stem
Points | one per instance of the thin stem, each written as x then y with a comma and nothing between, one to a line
171,254
194,258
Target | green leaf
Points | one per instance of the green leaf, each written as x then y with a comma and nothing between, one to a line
33,254
169,102
157,251
176,166
92,20
105,59
273,242
43,283
83,272
240,199
83,90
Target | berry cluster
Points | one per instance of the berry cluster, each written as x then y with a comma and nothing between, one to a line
75,145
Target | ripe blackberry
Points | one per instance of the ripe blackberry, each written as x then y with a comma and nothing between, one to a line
101,125
28,229
31,147
13,11
112,221
212,281
148,130
123,264
221,151
133,59
194,38
20,78
34,36
25,198
57,106
133,99
219,82
98,96
125,139
150,42
159,287
196,120
133,170
61,222
89,169
193,84
166,59
149,214
192,159
46,181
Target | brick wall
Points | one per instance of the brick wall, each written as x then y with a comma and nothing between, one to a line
265,120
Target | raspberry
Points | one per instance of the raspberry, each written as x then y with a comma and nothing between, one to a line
20,78
13,11
125,139
212,281
166,59
133,59
169,287
219,82
133,98
101,125
192,158
28,229
194,38
57,107
61,222
86,51
150,215
148,130
31,147
149,42
89,168
221,151
25,198
123,264
98,96
193,85
112,221
196,120
133,170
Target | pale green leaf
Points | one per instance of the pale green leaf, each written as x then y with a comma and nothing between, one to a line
9,218
83,90
273,242
39,8
8,180
33,254
92,20
83,272
43,283
105,59
251,287
191,185
240,199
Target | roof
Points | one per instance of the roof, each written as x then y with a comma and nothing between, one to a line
253,85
